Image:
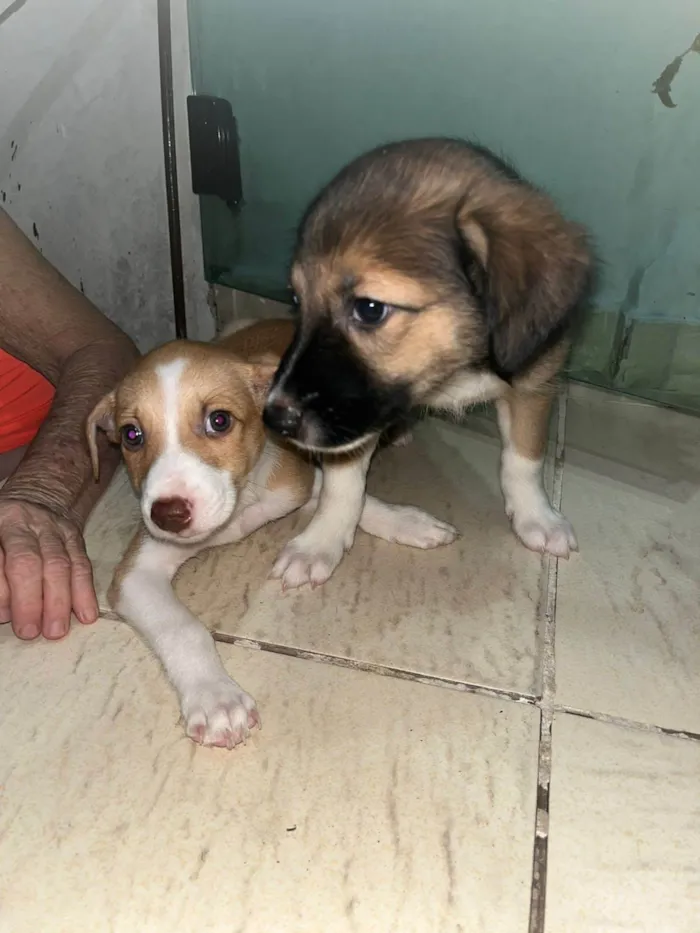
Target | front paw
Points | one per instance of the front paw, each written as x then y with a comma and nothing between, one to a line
218,713
311,558
412,527
544,530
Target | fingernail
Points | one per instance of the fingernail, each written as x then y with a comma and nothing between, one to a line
29,631
87,618
56,629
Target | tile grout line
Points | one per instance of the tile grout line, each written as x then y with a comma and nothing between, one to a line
371,667
632,724
436,680
450,683
540,853
538,889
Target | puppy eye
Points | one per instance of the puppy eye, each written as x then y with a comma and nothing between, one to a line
132,436
295,304
370,313
218,422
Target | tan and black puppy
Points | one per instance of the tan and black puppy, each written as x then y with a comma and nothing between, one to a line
429,274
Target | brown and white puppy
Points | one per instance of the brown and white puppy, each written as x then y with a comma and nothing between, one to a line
188,418
429,274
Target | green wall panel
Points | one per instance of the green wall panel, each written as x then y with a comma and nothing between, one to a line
563,87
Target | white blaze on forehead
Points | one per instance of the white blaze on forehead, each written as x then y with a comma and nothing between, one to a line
179,473
170,377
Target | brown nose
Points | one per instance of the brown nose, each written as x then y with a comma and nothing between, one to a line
171,514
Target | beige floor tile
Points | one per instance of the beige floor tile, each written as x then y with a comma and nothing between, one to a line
366,804
628,624
109,530
643,444
468,611
624,844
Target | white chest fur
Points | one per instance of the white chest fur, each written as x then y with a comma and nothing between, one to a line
465,389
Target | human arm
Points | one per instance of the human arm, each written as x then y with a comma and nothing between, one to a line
51,326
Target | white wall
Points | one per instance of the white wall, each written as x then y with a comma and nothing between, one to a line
81,159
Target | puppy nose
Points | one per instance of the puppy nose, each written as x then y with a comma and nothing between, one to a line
172,515
283,417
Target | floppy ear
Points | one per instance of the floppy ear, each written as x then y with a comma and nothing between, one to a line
260,372
102,417
534,270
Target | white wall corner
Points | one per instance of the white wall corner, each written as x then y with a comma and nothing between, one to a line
81,155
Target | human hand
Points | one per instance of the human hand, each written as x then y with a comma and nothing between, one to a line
45,573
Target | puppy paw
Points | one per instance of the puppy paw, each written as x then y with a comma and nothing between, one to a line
219,713
309,558
545,531
404,524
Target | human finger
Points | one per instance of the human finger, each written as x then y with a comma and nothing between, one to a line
83,596
24,577
56,573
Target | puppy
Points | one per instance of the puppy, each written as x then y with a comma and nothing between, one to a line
428,274
188,419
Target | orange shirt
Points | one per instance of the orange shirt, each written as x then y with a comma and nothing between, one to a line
25,400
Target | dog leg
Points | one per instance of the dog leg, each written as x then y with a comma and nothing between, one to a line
215,709
523,418
404,524
314,554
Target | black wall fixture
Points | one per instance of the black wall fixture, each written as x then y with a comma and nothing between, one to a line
214,149
165,55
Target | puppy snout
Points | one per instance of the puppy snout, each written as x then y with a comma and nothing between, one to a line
173,515
283,416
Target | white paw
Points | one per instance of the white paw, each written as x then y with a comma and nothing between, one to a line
311,557
540,527
219,713
544,530
413,527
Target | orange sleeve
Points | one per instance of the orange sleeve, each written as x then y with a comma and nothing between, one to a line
25,400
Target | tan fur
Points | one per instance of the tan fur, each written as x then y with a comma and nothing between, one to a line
263,340
101,417
409,343
530,402
543,373
529,421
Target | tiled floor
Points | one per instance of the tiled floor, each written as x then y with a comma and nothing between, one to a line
441,729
